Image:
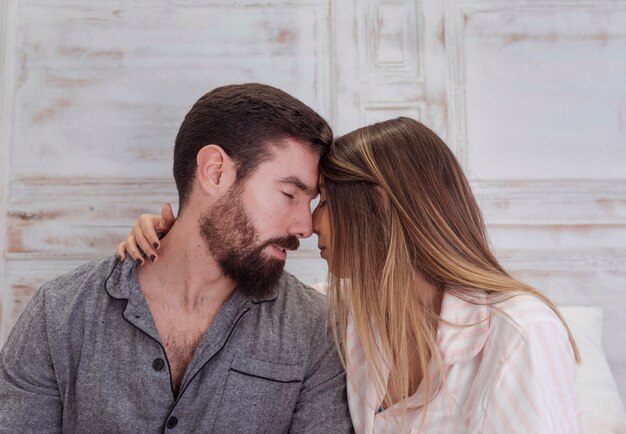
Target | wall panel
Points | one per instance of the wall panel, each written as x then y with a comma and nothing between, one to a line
392,63
74,63
536,103
541,89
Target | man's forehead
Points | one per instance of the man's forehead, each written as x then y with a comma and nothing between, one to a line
295,163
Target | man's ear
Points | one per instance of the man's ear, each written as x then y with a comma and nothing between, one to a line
215,171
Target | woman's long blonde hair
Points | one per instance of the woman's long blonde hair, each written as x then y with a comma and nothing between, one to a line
401,212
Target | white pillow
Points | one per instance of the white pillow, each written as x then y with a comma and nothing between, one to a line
602,408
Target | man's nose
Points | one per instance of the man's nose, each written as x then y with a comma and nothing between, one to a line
302,225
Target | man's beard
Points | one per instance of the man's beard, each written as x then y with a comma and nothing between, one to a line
230,236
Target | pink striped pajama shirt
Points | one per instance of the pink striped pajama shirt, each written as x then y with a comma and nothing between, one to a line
511,370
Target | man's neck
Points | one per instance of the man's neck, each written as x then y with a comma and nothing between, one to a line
185,270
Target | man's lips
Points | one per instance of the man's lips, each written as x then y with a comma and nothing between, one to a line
278,251
280,245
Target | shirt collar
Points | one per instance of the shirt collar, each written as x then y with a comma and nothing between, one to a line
464,327
121,276
462,333
122,284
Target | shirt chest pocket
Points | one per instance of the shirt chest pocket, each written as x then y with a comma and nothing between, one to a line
258,396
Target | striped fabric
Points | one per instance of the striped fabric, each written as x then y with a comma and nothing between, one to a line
510,370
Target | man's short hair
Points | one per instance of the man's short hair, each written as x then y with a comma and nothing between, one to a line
244,120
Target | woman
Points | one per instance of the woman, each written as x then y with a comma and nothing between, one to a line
435,335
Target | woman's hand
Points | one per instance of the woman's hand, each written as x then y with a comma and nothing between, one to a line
143,236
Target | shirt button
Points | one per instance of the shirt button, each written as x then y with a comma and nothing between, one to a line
158,364
172,422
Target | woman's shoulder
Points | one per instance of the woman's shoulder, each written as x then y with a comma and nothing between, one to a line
522,312
525,327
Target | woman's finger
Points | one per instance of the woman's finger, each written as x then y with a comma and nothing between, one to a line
121,252
167,219
142,241
147,225
133,250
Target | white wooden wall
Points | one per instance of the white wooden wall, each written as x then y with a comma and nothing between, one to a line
530,94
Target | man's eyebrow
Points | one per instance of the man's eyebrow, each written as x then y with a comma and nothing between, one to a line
299,184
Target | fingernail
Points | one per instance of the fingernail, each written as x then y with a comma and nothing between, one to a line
155,245
152,258
139,261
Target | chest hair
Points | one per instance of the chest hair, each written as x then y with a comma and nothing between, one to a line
181,332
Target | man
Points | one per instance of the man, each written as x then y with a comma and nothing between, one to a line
214,337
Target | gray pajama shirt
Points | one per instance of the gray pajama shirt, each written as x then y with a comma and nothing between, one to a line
85,356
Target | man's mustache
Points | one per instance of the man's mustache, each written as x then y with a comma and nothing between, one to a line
288,243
